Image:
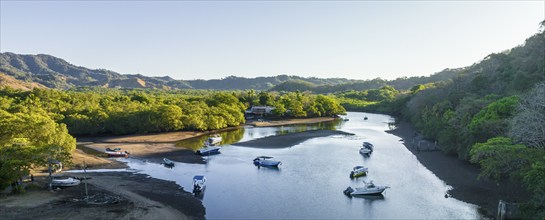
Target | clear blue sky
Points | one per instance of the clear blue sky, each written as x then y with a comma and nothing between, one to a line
215,39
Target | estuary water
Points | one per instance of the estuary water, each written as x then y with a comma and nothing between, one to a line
310,182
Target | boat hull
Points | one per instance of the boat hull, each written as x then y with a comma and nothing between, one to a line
367,192
117,154
267,163
354,174
65,182
208,151
365,151
168,163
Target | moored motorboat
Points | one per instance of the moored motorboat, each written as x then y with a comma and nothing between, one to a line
168,163
113,150
369,188
368,145
358,171
365,151
116,153
199,184
266,161
213,140
70,181
208,150
365,118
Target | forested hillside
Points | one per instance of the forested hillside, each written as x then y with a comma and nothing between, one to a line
491,113
52,72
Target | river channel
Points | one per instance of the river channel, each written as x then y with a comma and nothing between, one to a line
310,182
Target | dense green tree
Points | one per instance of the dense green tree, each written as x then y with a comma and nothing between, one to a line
499,157
28,140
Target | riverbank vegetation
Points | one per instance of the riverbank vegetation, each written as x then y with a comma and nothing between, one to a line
37,126
491,113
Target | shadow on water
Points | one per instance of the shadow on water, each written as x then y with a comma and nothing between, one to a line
369,197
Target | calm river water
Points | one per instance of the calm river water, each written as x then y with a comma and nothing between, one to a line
310,182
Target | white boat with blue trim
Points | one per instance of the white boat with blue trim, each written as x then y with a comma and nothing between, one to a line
369,188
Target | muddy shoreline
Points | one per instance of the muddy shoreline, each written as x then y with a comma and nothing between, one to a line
112,195
289,140
124,195
461,175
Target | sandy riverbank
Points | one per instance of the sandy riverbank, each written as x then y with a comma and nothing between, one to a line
154,147
135,196
461,175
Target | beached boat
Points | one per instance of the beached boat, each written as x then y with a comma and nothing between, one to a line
116,153
358,171
65,182
213,140
266,161
199,184
369,188
368,145
168,163
365,151
113,150
208,150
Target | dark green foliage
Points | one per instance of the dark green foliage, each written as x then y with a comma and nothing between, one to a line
96,111
535,180
30,139
499,157
293,86
34,125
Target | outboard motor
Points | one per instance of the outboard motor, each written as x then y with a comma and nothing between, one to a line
352,175
348,190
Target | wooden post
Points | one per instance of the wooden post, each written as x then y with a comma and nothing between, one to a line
50,178
85,179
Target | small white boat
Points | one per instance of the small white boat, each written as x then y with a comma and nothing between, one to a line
368,189
65,182
213,140
208,150
365,151
117,153
368,145
266,161
358,171
199,184
168,163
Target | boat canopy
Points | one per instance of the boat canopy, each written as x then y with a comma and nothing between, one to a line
263,157
358,167
198,177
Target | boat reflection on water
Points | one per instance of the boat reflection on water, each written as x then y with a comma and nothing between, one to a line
370,197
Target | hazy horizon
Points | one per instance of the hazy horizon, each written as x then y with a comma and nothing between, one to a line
213,40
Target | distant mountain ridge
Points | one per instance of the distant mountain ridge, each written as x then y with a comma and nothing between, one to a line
53,72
